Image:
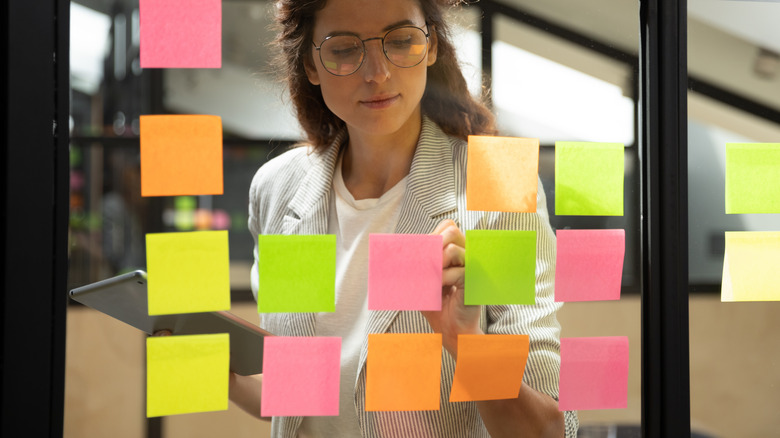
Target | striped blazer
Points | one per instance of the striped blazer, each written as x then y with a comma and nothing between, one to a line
291,195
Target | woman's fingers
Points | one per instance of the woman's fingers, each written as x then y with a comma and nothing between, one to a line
453,255
450,232
452,235
453,277
442,225
453,243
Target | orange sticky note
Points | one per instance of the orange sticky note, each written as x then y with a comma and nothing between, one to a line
181,155
403,372
502,174
489,367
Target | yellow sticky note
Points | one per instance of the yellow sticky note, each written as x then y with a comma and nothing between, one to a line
751,266
187,374
503,174
188,272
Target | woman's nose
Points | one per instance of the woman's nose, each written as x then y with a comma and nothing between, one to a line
376,67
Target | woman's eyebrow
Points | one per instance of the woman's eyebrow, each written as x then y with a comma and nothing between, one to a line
385,29
399,24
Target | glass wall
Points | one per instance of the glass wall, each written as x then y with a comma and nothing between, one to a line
561,70
734,97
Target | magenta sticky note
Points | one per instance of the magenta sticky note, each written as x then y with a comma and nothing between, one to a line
180,33
404,271
589,265
301,376
594,373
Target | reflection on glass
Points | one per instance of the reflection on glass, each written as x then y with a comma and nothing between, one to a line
88,47
555,102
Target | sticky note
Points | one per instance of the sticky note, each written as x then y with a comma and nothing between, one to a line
301,376
589,264
181,155
502,174
751,266
500,267
296,273
403,372
489,367
180,33
752,177
188,272
404,271
187,374
594,373
589,178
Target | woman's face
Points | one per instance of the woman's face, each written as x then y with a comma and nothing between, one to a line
379,98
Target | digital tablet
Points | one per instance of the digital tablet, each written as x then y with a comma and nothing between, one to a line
124,298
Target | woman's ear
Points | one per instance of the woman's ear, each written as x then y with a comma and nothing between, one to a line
432,46
311,70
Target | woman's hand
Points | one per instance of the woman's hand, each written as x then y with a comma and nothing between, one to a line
455,316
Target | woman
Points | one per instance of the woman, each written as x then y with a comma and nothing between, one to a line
379,93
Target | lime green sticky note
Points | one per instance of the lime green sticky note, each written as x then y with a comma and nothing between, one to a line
589,178
500,267
751,266
187,374
752,177
296,273
188,272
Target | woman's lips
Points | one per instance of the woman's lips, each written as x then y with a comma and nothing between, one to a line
380,102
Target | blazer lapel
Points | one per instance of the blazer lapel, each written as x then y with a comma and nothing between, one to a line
429,199
308,214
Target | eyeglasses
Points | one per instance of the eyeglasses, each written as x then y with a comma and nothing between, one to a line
342,55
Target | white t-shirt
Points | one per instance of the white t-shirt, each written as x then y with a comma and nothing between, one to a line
351,221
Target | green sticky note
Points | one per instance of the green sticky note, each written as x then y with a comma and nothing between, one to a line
188,272
588,178
500,267
296,273
187,374
752,177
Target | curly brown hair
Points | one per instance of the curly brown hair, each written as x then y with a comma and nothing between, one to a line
446,100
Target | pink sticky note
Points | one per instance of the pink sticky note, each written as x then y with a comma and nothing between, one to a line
301,376
594,373
181,33
589,265
404,271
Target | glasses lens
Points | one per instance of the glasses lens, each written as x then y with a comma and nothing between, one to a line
406,46
341,54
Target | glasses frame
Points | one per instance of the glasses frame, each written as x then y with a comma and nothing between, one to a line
382,39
